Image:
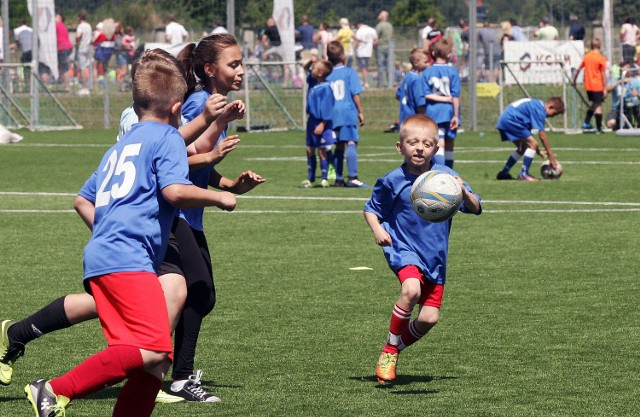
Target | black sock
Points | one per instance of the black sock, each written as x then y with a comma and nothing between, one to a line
46,320
599,121
587,119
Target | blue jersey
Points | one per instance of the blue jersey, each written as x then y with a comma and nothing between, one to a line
193,106
132,221
345,84
521,116
444,80
415,241
320,101
410,94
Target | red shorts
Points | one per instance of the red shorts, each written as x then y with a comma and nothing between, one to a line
430,293
132,310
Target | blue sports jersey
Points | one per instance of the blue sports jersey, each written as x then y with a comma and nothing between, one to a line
410,94
345,84
415,241
193,106
132,221
320,101
442,79
521,116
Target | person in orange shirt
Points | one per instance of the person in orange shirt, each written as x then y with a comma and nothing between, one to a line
594,64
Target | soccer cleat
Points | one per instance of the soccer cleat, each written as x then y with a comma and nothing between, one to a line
386,369
586,126
324,184
192,390
355,183
305,184
504,176
44,401
331,173
338,183
527,177
164,397
9,353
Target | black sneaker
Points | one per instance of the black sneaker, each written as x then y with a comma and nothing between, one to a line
192,390
504,176
356,183
44,401
338,183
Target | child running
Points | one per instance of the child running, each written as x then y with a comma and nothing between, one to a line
415,249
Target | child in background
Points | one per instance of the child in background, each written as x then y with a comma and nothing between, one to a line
410,92
595,81
515,125
347,115
320,103
442,92
415,249
133,206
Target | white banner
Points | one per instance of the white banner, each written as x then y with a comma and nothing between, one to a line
48,42
535,60
283,15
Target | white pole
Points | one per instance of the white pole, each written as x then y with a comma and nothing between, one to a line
607,27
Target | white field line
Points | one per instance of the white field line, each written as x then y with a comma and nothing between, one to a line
363,158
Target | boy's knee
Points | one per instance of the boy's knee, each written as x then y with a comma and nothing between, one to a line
153,359
411,295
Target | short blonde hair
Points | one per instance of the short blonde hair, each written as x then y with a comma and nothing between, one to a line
417,119
416,54
158,83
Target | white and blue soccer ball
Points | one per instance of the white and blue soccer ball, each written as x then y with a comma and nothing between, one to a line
436,196
550,173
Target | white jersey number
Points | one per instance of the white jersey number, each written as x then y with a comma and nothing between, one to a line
117,166
441,85
338,89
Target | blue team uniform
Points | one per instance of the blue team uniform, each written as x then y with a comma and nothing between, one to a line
442,79
410,94
345,84
320,103
520,117
132,221
415,241
192,107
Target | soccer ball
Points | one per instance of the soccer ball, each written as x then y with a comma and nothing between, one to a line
436,196
548,173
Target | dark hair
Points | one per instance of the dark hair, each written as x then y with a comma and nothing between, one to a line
194,58
335,52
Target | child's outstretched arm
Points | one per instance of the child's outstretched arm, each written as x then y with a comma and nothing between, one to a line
191,196
382,237
550,155
213,107
232,111
471,201
202,160
246,182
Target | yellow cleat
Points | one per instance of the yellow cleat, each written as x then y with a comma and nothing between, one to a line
386,369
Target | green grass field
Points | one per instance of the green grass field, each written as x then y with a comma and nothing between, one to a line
540,311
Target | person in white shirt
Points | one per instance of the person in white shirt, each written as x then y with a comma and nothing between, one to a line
431,24
84,50
174,32
629,36
365,37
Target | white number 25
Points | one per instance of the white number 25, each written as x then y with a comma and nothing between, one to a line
116,166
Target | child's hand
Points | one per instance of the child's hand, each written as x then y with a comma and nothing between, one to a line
361,119
227,145
319,129
453,125
246,182
233,111
227,201
543,154
382,237
213,107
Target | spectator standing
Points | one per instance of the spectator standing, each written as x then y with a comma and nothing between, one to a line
516,31
345,37
576,29
546,32
129,42
218,28
431,23
122,54
1,39
23,35
174,32
270,37
629,35
384,31
65,47
365,37
84,36
322,38
306,33
491,47
105,44
595,81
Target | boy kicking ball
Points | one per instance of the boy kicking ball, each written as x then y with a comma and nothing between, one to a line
415,249
515,125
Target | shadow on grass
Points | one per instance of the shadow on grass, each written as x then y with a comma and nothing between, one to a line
402,381
112,392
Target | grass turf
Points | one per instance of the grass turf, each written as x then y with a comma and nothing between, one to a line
539,315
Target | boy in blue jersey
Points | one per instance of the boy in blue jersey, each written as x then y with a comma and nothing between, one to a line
320,104
442,91
410,92
133,194
415,249
515,125
347,115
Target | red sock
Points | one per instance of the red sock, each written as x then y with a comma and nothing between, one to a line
137,397
399,323
100,370
410,336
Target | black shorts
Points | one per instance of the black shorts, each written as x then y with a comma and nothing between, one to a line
172,263
596,97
